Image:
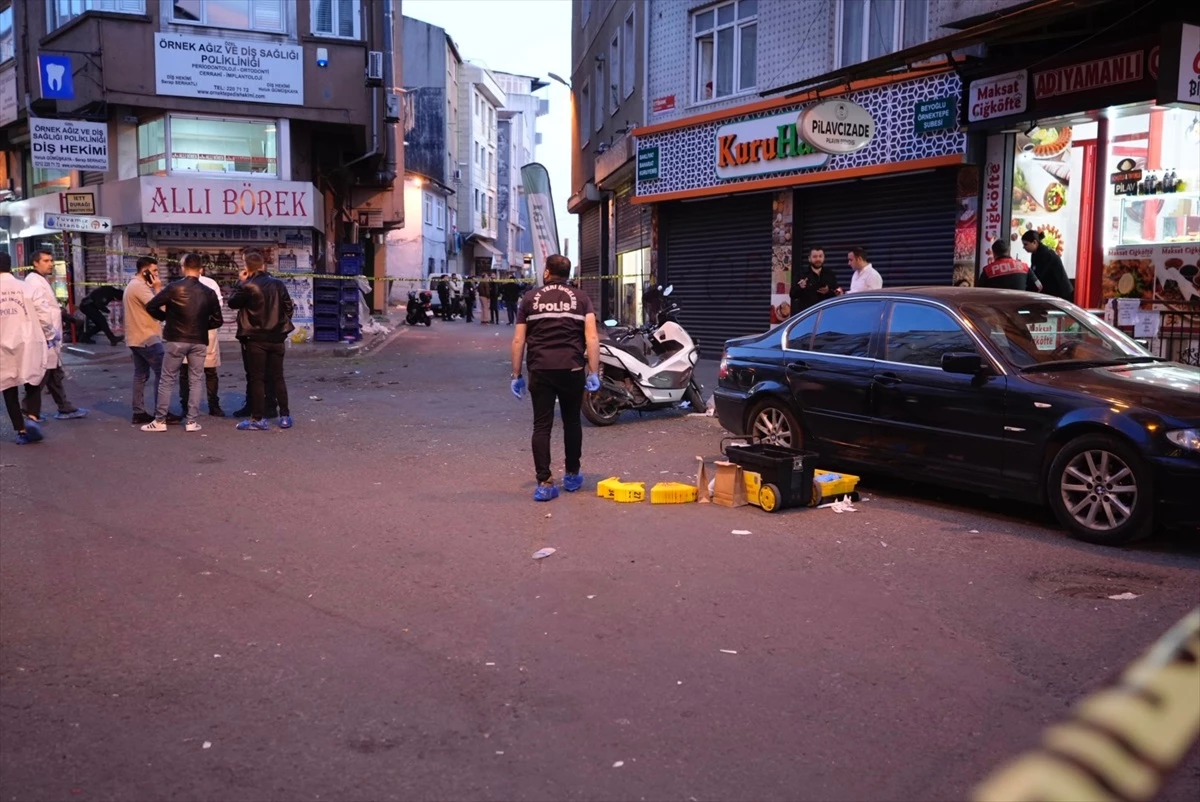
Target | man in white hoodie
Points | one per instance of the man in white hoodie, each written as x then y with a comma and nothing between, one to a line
26,329
40,289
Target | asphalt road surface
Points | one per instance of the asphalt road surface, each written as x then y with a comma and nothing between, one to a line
349,610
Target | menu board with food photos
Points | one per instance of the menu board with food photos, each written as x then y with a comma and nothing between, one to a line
1046,193
1160,272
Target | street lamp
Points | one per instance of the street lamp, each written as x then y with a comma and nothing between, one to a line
559,78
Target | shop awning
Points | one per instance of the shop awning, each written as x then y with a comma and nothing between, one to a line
487,246
983,29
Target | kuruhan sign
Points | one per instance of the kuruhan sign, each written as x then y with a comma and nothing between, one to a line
786,142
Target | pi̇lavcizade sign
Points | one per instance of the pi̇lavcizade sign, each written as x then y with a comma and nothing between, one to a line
228,69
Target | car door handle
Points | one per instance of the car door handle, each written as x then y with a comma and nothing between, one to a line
886,379
797,367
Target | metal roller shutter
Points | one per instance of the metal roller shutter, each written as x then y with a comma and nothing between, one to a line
95,261
717,254
633,224
906,223
590,230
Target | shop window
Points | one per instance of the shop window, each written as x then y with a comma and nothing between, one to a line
245,15
7,43
629,62
152,147
338,18
869,29
212,145
633,268
44,181
726,49
60,12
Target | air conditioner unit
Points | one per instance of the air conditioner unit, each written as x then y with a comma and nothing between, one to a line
374,67
458,175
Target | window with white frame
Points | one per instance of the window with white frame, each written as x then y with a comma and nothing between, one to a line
213,146
7,42
339,18
598,98
244,15
629,60
439,213
614,73
477,200
585,114
427,218
869,29
725,49
60,12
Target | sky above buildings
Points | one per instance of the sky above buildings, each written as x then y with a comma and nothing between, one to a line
528,37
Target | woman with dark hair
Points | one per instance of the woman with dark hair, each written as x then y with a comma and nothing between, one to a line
1047,266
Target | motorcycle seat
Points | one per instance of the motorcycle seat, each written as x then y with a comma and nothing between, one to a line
650,358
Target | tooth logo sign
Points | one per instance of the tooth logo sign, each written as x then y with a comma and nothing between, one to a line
57,78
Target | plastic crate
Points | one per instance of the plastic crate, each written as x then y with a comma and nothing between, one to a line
321,309
672,493
827,485
326,296
325,336
349,292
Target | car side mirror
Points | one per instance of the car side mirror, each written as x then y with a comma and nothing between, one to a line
966,364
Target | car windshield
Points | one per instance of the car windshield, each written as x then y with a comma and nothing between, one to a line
1038,334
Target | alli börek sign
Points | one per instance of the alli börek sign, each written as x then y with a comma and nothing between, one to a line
789,142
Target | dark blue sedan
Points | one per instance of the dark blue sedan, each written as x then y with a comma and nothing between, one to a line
1009,393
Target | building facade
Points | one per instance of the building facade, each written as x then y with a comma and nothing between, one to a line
433,178
202,126
480,100
775,127
516,145
608,57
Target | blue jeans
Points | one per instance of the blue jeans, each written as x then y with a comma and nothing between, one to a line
176,354
145,359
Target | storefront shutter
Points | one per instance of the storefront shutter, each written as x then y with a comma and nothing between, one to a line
717,254
95,263
906,223
633,224
590,252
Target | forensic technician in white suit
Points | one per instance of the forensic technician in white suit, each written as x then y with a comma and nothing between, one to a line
26,329
39,287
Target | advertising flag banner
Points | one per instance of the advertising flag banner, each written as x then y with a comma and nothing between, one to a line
540,205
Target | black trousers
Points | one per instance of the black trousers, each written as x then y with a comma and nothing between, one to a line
444,300
495,307
12,405
264,363
511,306
566,387
97,323
53,382
469,309
212,385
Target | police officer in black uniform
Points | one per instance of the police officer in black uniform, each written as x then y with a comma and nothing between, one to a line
556,325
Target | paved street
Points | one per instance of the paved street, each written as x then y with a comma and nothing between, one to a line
349,610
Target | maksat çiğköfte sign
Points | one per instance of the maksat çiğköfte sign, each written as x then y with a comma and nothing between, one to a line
789,142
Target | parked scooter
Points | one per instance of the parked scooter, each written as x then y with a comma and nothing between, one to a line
420,308
645,368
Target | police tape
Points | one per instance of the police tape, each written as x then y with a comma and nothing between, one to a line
1122,740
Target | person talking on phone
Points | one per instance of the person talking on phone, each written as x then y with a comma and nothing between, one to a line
143,335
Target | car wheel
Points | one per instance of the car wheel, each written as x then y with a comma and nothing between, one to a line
771,422
1100,490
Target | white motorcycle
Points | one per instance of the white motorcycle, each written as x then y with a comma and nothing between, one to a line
646,368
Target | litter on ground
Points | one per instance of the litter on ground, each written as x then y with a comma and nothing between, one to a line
542,554
728,651
740,532
1126,596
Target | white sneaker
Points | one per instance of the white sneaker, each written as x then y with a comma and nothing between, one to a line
155,426
192,426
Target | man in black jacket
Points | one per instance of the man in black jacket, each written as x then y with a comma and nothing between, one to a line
94,307
814,284
189,310
511,291
264,321
1047,266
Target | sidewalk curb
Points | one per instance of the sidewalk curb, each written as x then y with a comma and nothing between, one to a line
367,347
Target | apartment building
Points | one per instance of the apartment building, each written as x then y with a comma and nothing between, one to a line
517,139
200,125
480,100
433,178
608,58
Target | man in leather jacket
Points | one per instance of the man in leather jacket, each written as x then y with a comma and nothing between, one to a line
264,321
189,310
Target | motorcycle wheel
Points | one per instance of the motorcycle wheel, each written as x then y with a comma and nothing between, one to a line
428,320
694,397
603,414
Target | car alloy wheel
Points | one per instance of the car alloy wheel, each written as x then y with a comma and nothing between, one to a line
772,424
1099,490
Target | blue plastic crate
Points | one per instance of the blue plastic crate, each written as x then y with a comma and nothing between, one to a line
324,336
325,309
